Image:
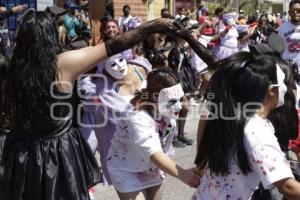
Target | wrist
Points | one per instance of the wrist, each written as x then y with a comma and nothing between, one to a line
180,174
189,38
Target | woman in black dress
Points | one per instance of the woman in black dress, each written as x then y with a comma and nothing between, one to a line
44,156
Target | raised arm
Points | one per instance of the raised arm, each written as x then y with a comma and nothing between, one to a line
198,48
73,63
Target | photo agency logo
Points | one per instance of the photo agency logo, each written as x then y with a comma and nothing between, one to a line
99,105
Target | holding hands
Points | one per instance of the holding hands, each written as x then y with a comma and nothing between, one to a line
191,177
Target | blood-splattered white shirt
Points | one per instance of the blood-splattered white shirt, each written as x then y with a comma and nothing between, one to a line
137,138
267,161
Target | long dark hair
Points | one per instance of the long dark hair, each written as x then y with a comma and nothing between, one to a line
239,80
156,80
285,118
32,69
3,74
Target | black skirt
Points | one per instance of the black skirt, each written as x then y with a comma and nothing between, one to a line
56,167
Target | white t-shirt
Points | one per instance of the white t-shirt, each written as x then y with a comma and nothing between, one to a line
290,33
128,161
123,21
197,63
297,95
267,161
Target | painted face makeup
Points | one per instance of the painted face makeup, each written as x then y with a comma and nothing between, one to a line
116,66
169,101
281,86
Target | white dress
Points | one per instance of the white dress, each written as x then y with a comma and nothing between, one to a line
228,44
197,63
135,140
267,161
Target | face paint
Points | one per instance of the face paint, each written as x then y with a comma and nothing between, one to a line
281,86
116,66
169,101
230,21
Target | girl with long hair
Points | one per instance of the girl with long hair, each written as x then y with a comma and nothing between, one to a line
3,74
285,122
44,156
139,150
238,149
3,122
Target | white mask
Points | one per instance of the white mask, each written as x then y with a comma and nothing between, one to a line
281,86
169,101
230,22
116,66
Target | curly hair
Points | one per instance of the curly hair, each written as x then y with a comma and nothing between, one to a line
32,69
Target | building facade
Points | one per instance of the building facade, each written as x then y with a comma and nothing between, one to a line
146,9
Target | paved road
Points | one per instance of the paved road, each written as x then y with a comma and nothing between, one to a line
175,190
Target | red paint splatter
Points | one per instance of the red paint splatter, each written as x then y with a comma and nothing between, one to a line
264,172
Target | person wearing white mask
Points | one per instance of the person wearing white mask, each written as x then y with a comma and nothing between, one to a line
238,149
139,155
116,67
109,93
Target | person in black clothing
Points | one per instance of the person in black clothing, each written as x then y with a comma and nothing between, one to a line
262,31
44,156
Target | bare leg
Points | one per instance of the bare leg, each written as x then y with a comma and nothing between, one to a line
182,116
138,195
181,122
205,79
156,192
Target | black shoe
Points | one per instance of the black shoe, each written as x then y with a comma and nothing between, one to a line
177,143
185,140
